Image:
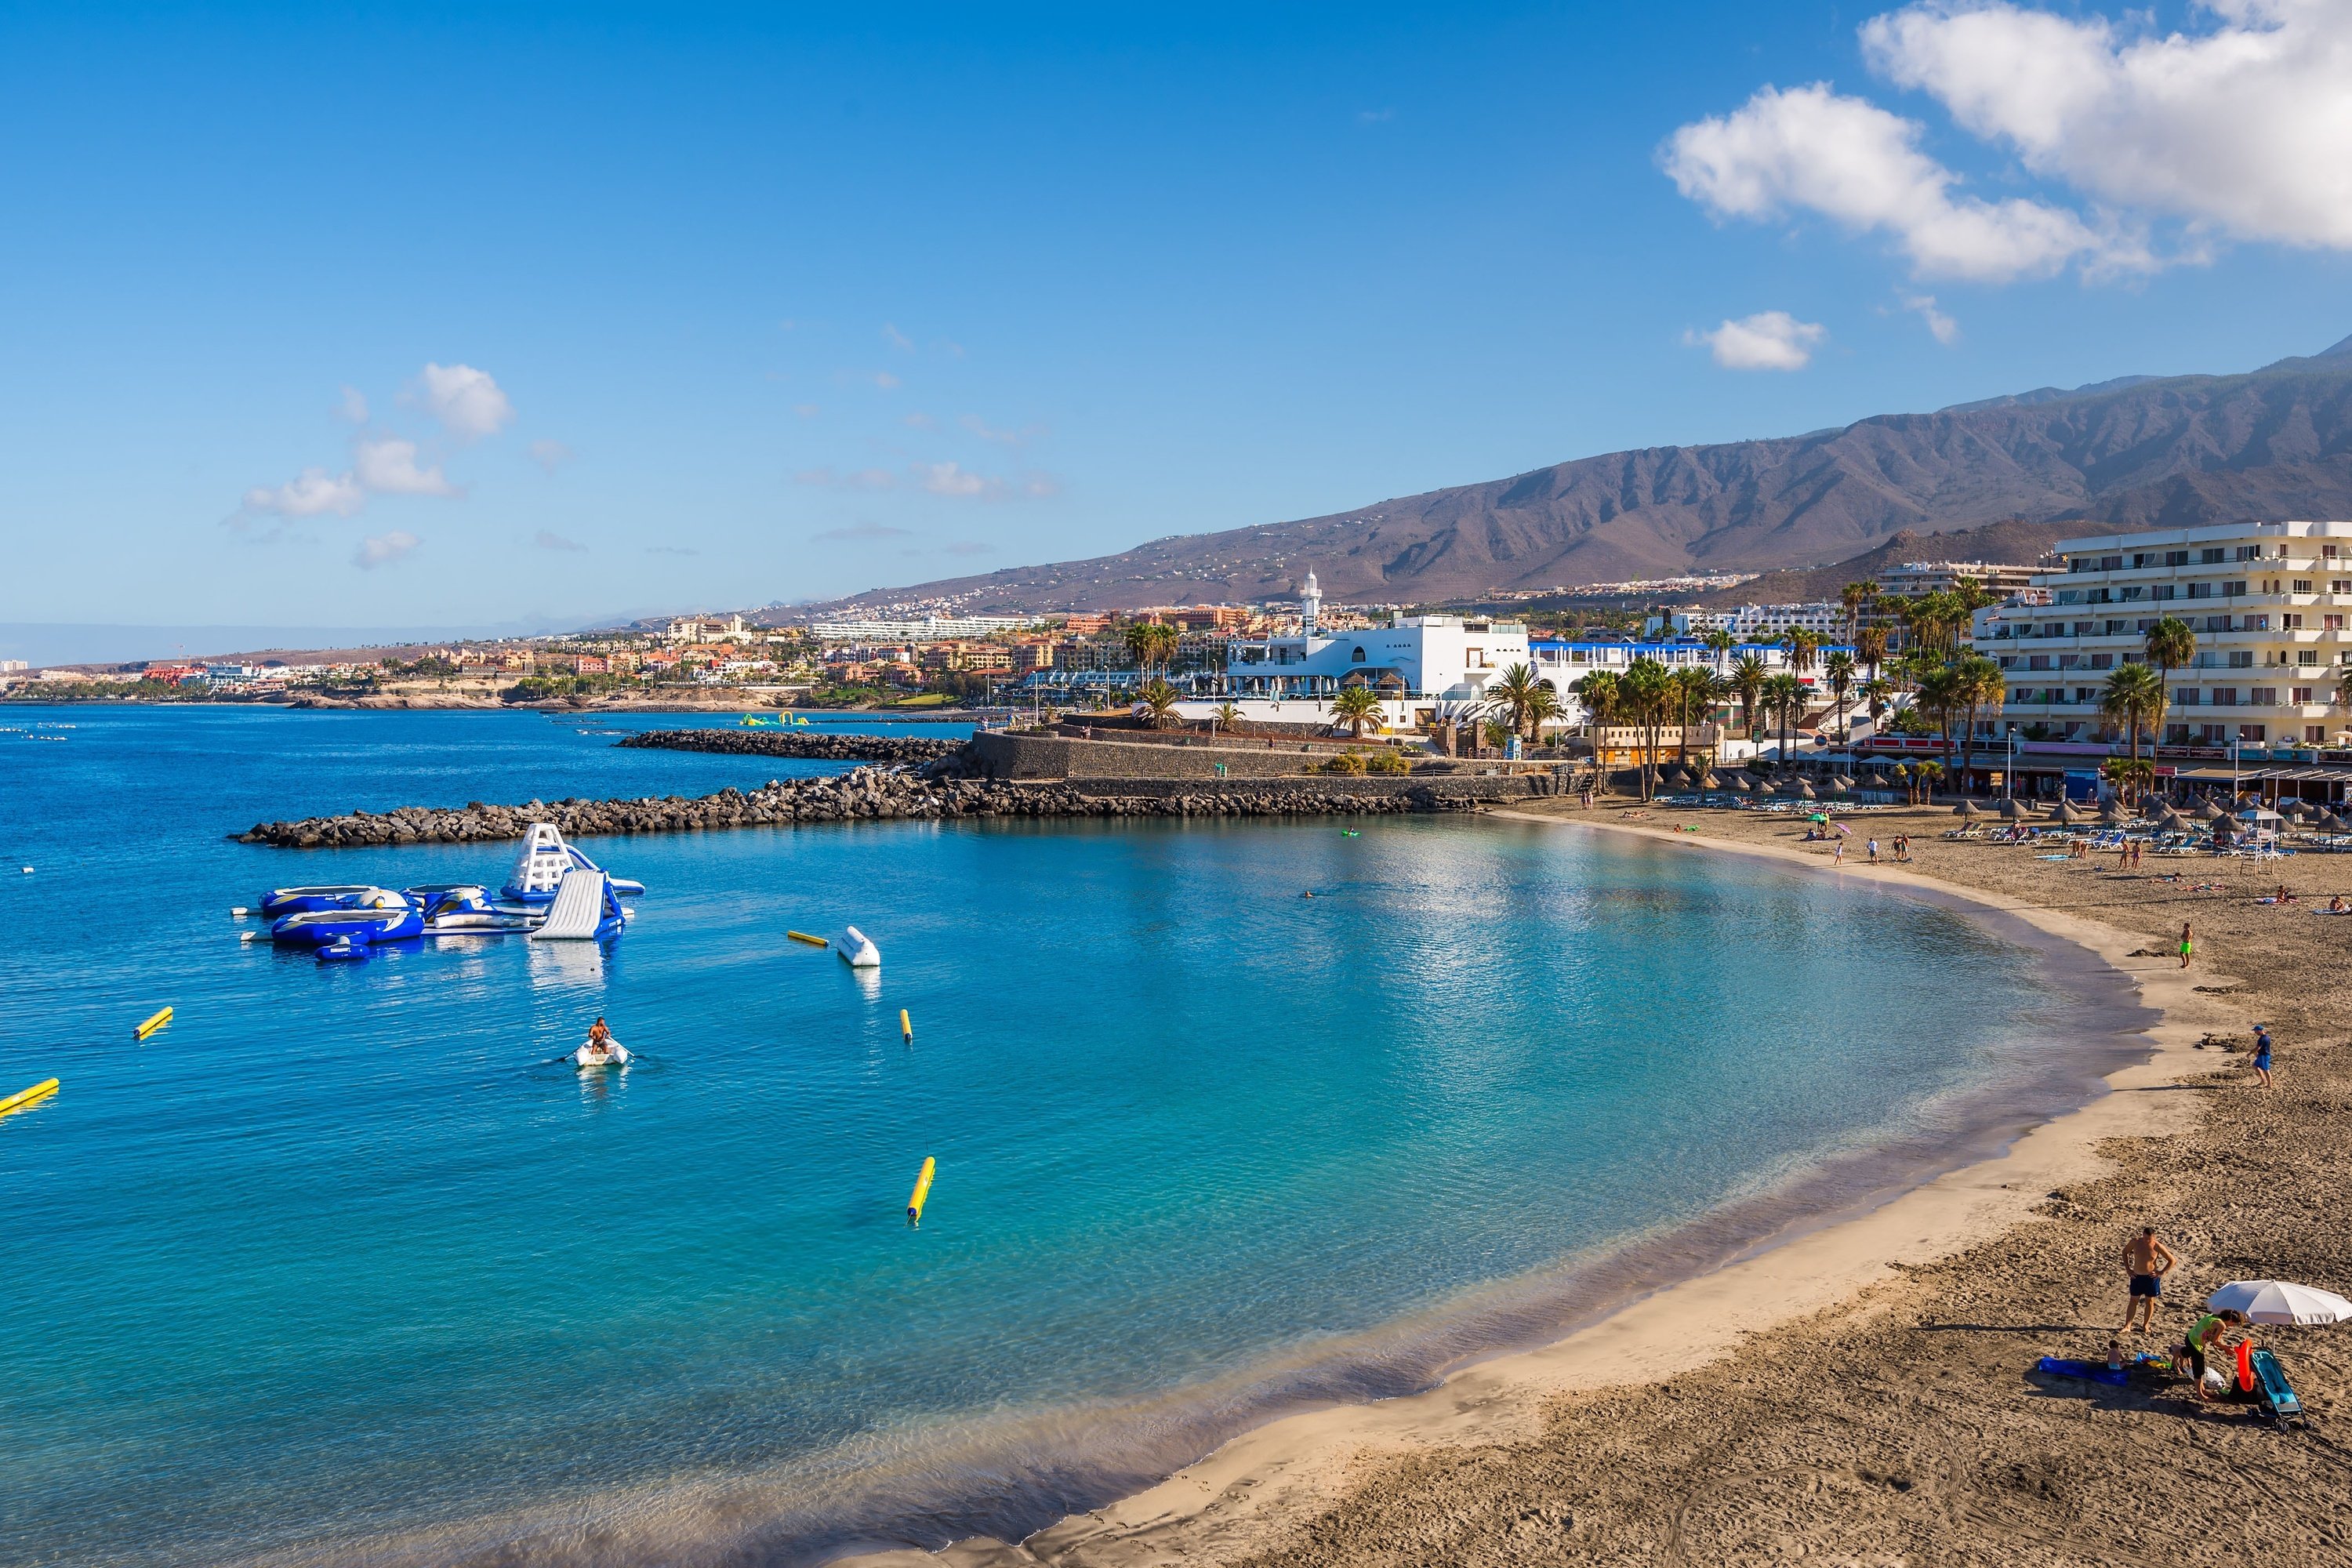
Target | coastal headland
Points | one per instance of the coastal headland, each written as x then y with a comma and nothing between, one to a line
1862,1393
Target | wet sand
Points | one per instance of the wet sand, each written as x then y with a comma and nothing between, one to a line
1861,1394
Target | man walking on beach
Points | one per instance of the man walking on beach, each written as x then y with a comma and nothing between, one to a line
2188,944
2148,1261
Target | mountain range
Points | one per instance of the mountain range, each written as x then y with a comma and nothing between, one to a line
2138,451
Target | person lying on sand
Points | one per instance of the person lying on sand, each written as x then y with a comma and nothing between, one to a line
2335,905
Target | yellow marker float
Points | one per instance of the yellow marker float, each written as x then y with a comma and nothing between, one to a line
906,1024
48,1086
922,1193
152,1024
811,941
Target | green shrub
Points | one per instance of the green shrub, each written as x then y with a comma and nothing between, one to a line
1387,760
1346,763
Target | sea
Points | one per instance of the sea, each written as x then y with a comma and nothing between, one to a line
348,1264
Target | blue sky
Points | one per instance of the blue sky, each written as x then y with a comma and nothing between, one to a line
568,311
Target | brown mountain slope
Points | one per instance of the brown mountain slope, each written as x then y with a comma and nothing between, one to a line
2277,441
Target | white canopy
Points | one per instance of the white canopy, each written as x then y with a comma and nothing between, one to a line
2277,1301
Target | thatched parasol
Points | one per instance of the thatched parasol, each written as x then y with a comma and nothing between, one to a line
2069,815
1967,808
2114,816
2016,811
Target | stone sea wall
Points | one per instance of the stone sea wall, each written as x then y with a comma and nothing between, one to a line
870,794
804,746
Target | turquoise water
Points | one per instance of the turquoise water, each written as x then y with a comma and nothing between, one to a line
340,1267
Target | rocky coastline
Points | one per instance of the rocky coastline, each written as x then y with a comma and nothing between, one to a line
805,747
861,794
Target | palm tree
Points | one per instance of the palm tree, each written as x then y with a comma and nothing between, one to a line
1871,642
1802,646
1516,691
1720,642
1747,678
1543,703
1878,693
1695,689
1855,597
1355,704
1158,699
2170,645
1927,770
1782,694
1643,691
1977,681
1937,698
2134,698
1598,692
1227,716
1839,667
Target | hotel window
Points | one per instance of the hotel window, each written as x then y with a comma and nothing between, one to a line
2263,697
2217,623
2135,593
2303,585
2086,628
2212,554
2331,622
2176,558
2306,655
2234,589
2037,661
2103,662
2114,629
2299,695
2239,658
2255,623
2249,732
2328,551
2290,623
2184,697
2086,694
2315,734
2213,734
2225,697
2200,590
2164,590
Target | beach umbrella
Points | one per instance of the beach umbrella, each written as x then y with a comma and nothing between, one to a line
1967,808
2332,823
2114,816
1840,780
1877,781
2069,815
1759,788
1804,790
2016,810
2206,810
2277,1301
1708,781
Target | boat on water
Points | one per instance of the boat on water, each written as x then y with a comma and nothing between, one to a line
858,950
540,867
281,901
322,927
611,1054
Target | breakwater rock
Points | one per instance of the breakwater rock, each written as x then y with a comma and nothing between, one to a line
861,793
814,747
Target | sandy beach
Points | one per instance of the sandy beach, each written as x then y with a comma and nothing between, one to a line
1860,1394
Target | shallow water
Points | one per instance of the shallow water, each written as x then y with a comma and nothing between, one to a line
342,1266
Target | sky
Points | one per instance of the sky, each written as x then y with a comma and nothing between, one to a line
417,316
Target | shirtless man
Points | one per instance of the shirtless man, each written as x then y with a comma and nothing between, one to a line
2148,1261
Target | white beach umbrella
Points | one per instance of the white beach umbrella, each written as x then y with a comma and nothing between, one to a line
2277,1301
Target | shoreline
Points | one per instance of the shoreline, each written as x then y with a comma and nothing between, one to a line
1244,1495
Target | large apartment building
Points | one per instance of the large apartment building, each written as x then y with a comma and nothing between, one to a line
2267,602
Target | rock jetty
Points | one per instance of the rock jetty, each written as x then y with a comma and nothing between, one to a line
813,748
861,793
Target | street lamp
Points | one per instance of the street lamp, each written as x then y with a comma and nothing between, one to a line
2008,775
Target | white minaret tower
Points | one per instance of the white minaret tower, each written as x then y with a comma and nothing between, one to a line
1310,606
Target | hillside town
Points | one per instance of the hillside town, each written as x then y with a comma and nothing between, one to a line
2215,644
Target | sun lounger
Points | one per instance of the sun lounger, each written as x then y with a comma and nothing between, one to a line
2274,1394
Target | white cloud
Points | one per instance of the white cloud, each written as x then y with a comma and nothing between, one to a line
383,549
547,541
387,467
311,493
951,479
2245,127
896,339
467,401
1852,162
883,379
1769,340
856,479
1946,330
353,405
551,455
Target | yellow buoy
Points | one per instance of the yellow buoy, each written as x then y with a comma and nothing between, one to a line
48,1086
906,1024
152,1024
811,941
922,1190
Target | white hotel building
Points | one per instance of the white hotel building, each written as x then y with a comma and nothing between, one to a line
2268,603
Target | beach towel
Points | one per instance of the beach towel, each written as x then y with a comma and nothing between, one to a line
2095,1370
